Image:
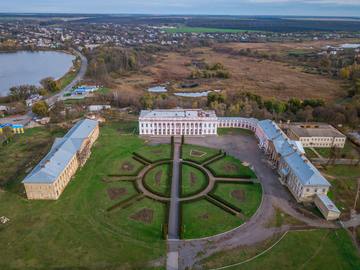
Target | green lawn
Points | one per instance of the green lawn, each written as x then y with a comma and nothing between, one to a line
106,198
23,152
230,167
343,179
311,250
158,179
76,231
234,131
245,196
349,151
202,218
193,180
127,166
185,29
310,153
198,154
155,153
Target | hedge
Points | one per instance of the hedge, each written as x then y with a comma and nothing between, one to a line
218,204
215,197
219,155
123,203
149,161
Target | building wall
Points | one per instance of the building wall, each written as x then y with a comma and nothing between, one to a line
323,142
245,123
176,127
328,214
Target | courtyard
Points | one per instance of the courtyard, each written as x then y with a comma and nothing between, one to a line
107,216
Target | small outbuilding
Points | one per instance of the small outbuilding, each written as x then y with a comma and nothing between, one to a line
327,207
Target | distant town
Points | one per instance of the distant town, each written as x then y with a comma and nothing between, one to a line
179,142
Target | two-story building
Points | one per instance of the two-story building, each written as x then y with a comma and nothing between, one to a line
50,177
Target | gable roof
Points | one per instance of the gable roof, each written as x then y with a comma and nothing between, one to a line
61,153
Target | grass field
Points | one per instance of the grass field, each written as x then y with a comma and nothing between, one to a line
202,218
230,167
114,192
24,152
193,180
185,29
349,151
344,181
76,232
197,153
158,179
310,153
234,131
311,250
156,153
125,167
245,196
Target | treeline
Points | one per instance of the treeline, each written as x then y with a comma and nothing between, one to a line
105,62
251,105
216,70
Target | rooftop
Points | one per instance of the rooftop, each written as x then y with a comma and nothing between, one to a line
60,154
328,203
315,130
178,113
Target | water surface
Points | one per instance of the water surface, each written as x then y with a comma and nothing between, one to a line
25,67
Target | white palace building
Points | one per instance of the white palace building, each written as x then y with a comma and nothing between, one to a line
295,171
188,122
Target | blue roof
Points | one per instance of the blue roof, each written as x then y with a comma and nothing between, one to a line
61,153
306,172
11,125
270,129
328,203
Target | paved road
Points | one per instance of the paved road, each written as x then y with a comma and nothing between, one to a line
83,68
26,118
173,229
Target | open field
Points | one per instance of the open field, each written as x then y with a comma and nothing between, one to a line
246,197
198,154
230,167
24,152
202,218
192,180
344,180
186,29
155,153
317,249
126,167
270,79
349,151
76,231
158,179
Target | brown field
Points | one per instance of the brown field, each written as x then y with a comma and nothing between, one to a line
266,78
277,47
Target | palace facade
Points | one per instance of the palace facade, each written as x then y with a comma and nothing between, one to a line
178,122
50,177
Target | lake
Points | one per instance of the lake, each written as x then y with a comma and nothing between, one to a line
157,89
25,67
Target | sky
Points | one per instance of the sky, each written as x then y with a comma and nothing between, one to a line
210,7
